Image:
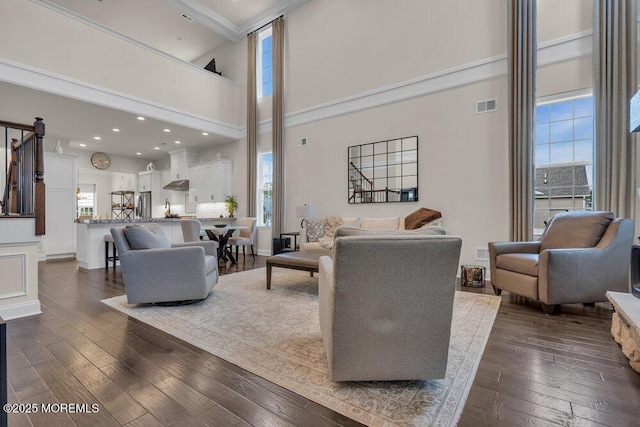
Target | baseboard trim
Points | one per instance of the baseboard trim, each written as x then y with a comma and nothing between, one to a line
16,311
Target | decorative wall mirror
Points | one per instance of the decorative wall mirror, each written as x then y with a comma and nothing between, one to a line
384,171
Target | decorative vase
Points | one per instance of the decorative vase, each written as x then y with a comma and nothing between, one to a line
58,148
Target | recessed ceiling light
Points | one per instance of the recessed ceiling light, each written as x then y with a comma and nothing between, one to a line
115,130
140,118
205,133
83,145
97,137
167,130
156,148
179,38
177,142
138,154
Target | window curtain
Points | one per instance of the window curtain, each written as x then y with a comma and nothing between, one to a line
277,123
522,49
252,124
614,74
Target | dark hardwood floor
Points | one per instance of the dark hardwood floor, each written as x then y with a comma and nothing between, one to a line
536,370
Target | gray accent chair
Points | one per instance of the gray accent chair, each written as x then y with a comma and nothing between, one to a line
190,230
580,257
156,271
386,303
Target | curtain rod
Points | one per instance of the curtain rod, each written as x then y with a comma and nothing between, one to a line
268,23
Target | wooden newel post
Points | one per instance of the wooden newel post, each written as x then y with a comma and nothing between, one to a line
40,185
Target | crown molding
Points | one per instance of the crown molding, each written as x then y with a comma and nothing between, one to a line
228,29
46,81
551,52
208,18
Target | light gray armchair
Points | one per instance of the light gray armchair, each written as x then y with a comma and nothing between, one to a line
581,255
155,271
386,302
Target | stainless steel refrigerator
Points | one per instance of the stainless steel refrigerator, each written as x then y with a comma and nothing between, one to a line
144,205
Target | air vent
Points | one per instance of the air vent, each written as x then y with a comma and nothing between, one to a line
301,142
482,254
187,17
486,106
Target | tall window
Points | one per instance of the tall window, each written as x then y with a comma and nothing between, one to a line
265,64
265,180
563,157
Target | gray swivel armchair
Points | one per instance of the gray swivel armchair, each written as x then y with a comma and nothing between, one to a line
386,303
580,256
155,271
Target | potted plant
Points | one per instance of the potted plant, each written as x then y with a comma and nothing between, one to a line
231,203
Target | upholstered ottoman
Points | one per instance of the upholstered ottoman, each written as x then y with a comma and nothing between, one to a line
299,260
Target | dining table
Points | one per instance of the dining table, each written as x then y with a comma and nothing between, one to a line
221,235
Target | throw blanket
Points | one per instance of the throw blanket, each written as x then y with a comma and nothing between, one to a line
420,218
330,224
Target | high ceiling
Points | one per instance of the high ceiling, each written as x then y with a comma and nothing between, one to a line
186,29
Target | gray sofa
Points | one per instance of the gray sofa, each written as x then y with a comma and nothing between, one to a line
386,301
155,271
580,256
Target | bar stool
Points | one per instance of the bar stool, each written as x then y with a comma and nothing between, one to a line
109,239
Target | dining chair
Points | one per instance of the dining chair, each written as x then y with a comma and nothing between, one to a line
246,236
190,229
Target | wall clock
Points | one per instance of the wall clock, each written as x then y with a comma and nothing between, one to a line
100,160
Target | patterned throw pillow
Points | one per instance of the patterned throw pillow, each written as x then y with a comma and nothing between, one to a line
315,228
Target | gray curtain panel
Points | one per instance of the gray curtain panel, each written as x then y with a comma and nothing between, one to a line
614,75
252,124
278,122
522,104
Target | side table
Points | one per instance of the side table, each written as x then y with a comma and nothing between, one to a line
290,248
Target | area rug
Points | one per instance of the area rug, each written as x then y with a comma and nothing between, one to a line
276,334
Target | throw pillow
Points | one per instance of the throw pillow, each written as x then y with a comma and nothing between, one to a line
579,229
420,218
148,236
331,223
315,228
353,221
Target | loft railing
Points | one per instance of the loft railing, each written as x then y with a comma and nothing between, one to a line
24,188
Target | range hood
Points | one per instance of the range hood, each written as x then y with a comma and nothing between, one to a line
181,161
179,184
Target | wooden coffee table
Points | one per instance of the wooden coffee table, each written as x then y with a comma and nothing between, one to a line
298,260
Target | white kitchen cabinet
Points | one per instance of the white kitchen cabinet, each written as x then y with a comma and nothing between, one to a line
197,184
144,181
60,203
210,182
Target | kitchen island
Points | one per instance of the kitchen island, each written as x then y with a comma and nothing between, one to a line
90,248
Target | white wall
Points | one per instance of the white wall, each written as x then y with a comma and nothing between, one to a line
463,156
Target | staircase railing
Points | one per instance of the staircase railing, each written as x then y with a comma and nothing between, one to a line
362,190
24,192
362,187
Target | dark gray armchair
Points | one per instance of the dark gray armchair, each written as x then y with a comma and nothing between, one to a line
580,256
155,271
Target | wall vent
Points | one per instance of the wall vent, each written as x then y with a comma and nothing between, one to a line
486,106
482,254
188,18
301,142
